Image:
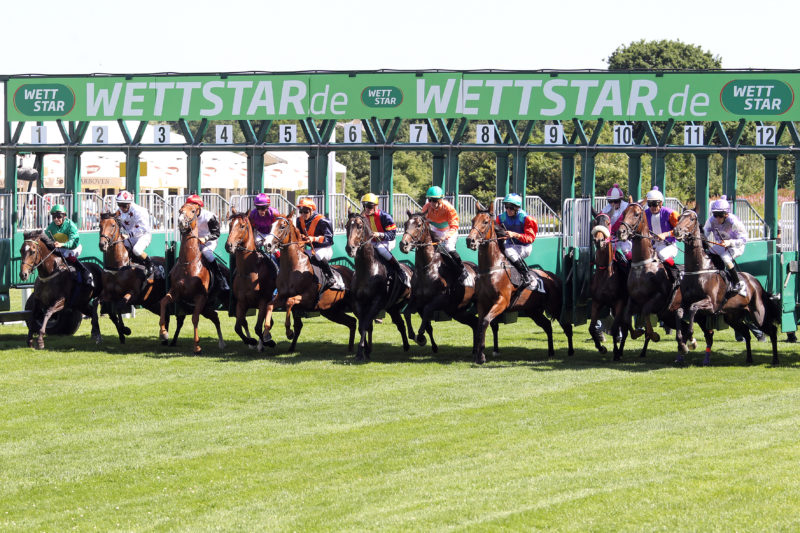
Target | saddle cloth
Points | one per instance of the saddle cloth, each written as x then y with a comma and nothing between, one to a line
337,284
537,284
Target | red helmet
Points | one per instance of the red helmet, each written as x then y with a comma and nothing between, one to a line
195,199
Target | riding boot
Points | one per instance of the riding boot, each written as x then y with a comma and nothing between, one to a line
526,274
86,275
462,270
148,266
394,264
222,283
327,271
738,286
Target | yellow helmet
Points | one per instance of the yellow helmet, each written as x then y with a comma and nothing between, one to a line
369,198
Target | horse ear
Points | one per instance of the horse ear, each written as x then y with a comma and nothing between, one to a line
409,213
233,210
594,213
630,199
479,207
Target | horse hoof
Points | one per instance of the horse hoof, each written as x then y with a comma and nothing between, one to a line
496,353
480,360
655,337
602,349
421,340
435,348
198,350
571,352
270,343
643,354
290,335
164,336
679,360
221,345
126,330
98,339
617,357
635,334
253,346
707,360
693,344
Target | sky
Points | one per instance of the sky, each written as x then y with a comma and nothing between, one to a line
147,36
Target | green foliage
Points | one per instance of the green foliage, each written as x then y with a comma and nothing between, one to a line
662,55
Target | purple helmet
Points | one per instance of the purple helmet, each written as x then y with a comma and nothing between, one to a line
262,199
721,205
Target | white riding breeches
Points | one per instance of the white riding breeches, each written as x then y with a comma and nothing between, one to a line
259,238
518,251
75,252
207,249
726,254
626,247
384,248
665,250
324,254
449,243
139,244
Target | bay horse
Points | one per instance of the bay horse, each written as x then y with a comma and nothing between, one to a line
55,288
254,281
649,288
299,287
370,290
704,289
608,286
190,280
435,287
497,294
124,282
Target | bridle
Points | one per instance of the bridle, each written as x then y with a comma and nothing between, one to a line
38,253
638,222
115,233
248,229
365,224
285,234
484,235
416,240
188,232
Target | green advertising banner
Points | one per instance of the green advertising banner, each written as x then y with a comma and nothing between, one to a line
485,96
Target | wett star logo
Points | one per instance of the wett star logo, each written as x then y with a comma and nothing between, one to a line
756,97
382,96
44,99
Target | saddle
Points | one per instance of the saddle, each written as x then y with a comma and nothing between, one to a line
537,283
335,284
450,262
720,266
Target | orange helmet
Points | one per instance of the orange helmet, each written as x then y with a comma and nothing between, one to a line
195,199
307,202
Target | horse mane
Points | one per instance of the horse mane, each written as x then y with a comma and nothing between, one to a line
38,234
107,215
234,216
500,230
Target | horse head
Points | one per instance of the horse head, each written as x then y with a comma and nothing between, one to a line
35,250
281,234
633,224
416,231
687,226
482,227
110,230
358,233
240,233
600,231
187,218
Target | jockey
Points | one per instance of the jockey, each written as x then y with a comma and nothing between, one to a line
320,234
729,236
616,206
443,220
136,228
66,239
207,235
261,218
522,229
384,231
661,220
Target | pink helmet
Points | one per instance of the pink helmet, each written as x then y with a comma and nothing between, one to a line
262,199
614,193
124,197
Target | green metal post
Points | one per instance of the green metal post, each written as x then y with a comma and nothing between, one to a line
588,174
133,173
567,178
701,190
438,170
451,175
771,207
381,174
194,170
255,171
659,173
318,175
502,184
72,183
520,173
729,172
635,176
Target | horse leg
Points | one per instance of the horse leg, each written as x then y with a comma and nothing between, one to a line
598,341
337,314
298,326
214,318
625,326
434,346
165,301
427,316
364,319
266,336
479,329
409,327
116,319
179,320
708,333
495,333
544,323
92,308
240,327
289,305
394,312
199,303
58,306
566,325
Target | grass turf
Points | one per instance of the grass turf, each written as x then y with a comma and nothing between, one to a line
141,437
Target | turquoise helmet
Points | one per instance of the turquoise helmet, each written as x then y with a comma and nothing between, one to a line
513,199
435,192
58,208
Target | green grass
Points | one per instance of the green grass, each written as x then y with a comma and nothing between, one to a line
141,437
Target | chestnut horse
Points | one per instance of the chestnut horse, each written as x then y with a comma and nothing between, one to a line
124,282
704,291
299,287
55,288
370,290
497,294
190,280
435,286
253,282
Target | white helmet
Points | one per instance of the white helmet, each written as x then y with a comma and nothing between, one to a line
655,195
721,205
124,197
614,193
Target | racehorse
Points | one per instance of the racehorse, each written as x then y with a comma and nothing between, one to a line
649,288
55,288
370,290
123,281
704,289
299,287
608,285
253,282
190,280
497,294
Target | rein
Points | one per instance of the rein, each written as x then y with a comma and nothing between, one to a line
38,253
415,242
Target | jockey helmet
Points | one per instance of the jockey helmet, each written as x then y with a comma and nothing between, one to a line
721,205
513,199
614,193
307,202
654,195
58,208
262,200
196,200
369,198
124,197
435,193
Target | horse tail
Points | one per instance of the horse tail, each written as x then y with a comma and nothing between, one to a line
772,305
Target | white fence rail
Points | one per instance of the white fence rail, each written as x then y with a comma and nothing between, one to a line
91,206
244,202
547,220
34,210
757,229
340,205
577,219
6,213
402,204
788,226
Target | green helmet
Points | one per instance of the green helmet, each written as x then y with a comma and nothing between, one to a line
435,192
513,199
58,208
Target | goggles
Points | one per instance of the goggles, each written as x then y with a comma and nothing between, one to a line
653,203
304,210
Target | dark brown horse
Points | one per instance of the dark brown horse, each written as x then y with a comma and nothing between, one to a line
704,294
649,288
190,280
254,281
496,293
55,288
370,290
299,287
435,287
124,282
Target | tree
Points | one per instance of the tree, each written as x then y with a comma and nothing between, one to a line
662,55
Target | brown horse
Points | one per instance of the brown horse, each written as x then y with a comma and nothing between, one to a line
299,287
370,290
55,288
190,280
704,292
649,288
435,287
497,294
253,282
124,283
